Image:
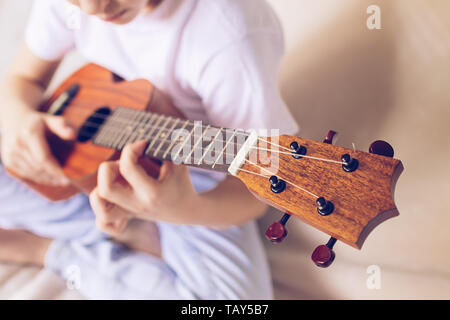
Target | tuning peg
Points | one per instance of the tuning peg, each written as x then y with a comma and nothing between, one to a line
331,137
324,207
277,231
349,164
277,185
382,148
298,151
324,255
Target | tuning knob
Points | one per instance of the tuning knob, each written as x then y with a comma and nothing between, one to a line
349,164
298,151
324,207
277,185
277,231
331,137
382,148
324,255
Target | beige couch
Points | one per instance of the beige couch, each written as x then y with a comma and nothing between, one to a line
390,84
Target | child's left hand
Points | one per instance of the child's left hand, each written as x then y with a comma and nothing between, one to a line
125,190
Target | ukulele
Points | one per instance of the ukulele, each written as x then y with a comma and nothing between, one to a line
342,192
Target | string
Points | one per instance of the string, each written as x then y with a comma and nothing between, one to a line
303,156
135,113
255,173
146,113
262,175
163,129
210,145
273,174
96,125
275,144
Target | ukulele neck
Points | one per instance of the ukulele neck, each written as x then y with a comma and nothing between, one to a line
181,141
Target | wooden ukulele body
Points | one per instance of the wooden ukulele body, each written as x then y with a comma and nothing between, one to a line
99,87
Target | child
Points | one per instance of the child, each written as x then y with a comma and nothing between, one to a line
218,61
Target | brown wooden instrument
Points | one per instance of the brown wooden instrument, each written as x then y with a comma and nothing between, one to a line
342,192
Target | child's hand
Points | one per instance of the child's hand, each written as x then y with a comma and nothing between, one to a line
24,148
109,218
131,192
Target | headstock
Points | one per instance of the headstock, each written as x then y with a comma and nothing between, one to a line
343,192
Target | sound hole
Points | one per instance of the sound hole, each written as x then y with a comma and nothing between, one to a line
93,124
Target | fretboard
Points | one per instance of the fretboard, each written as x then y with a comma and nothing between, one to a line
181,141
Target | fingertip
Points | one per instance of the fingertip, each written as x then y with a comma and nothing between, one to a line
129,160
108,169
135,150
60,126
92,195
140,146
166,168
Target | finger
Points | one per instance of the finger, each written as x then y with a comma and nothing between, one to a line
24,168
100,217
114,228
168,169
105,227
40,174
27,155
121,224
130,168
20,167
111,185
61,127
41,151
107,211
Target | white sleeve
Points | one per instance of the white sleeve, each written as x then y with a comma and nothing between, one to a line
47,34
239,85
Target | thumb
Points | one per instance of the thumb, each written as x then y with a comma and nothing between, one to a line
60,126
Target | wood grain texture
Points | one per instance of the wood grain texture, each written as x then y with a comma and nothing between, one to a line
362,199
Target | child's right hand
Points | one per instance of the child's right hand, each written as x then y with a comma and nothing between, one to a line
24,148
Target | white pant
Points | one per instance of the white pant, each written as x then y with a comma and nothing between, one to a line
198,263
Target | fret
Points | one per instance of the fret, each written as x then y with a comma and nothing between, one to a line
101,136
200,139
120,119
138,128
153,117
175,140
158,119
145,124
157,135
164,137
210,146
185,141
115,131
130,126
224,148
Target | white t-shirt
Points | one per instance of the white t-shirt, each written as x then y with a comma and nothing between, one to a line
218,60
